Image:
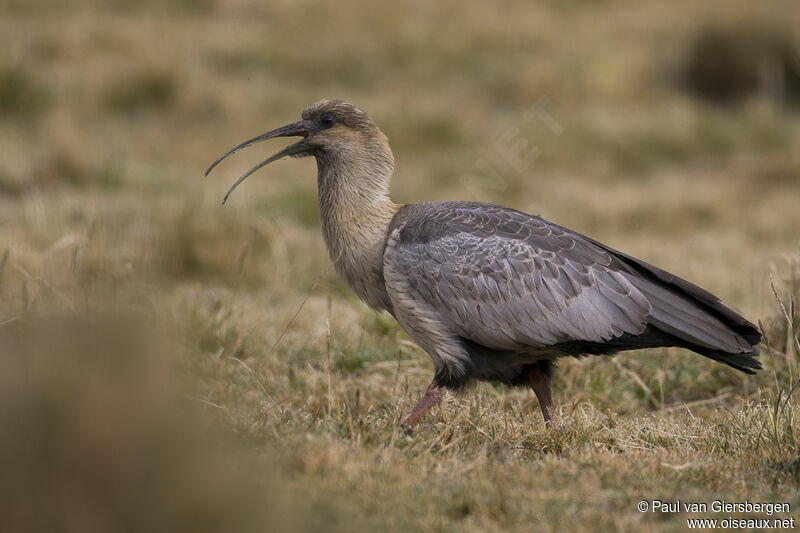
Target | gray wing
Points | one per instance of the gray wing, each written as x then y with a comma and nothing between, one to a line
511,281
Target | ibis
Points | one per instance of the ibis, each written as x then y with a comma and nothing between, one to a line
489,292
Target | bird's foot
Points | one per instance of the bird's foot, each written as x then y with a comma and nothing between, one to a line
551,418
433,395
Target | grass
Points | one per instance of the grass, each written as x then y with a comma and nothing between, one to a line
170,364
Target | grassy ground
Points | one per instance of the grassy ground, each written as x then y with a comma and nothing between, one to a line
175,365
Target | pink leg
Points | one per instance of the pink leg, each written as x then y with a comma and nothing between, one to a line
432,397
538,381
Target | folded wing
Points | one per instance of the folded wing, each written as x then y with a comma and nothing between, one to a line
514,282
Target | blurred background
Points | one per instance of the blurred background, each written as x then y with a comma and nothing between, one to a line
173,364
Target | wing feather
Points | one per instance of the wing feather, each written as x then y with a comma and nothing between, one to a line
508,280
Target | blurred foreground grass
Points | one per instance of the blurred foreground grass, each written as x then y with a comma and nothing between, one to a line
144,384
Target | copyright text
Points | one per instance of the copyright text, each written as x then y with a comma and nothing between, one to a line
768,509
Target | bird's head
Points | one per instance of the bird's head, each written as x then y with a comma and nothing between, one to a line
333,131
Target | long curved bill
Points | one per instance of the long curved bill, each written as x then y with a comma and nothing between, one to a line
300,129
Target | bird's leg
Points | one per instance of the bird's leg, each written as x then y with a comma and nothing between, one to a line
538,380
433,395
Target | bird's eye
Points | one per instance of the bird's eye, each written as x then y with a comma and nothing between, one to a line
327,121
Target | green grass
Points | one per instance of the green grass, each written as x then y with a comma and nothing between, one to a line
172,364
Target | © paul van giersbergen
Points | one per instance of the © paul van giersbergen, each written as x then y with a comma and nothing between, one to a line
489,292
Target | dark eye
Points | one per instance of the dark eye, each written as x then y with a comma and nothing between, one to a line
327,121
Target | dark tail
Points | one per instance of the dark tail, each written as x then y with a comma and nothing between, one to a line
691,323
687,316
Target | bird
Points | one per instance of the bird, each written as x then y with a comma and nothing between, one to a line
489,292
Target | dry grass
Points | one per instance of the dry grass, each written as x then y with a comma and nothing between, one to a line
144,384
